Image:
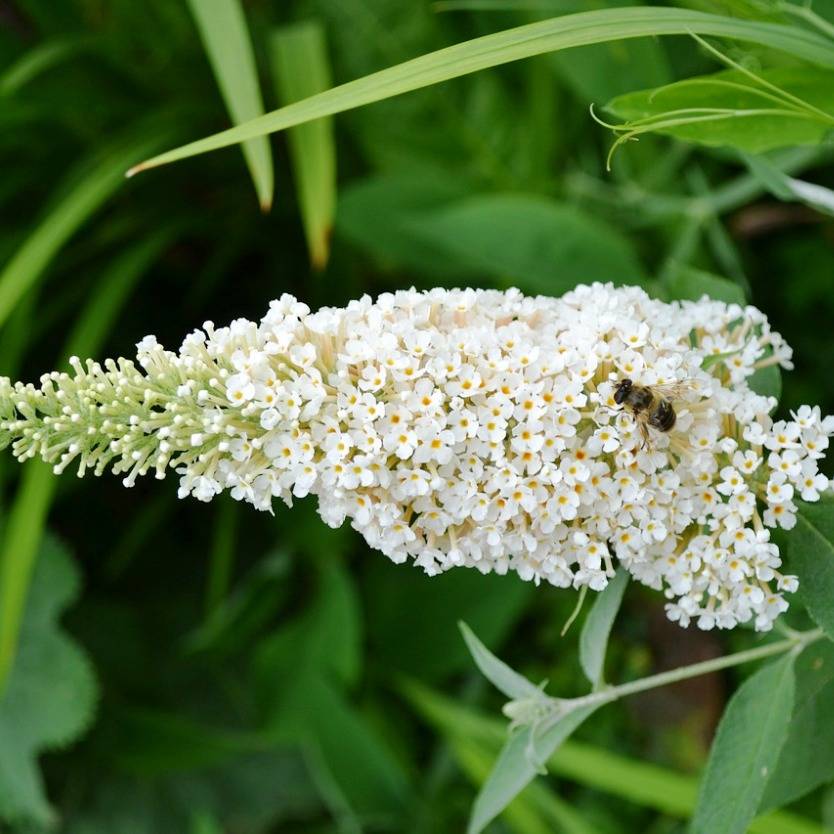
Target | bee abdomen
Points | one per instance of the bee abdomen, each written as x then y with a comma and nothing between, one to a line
663,418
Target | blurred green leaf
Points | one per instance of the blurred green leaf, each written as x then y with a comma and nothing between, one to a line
410,615
51,692
325,638
39,59
593,640
729,108
85,190
787,188
746,750
767,381
599,72
686,283
810,554
345,746
301,68
536,244
497,672
565,32
378,213
222,27
246,609
299,674
152,742
807,758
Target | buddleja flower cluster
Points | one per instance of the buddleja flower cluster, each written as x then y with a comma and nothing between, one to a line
472,428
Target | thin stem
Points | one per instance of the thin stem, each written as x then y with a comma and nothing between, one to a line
613,693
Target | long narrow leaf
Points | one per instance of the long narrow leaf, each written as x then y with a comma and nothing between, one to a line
24,530
537,809
593,641
514,770
301,68
500,675
222,27
481,53
39,59
94,182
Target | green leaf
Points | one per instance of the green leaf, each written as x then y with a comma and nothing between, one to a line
150,742
111,293
593,641
346,746
410,615
787,188
767,381
729,108
601,71
647,785
515,768
537,810
222,27
745,750
807,758
537,244
20,540
810,555
85,190
497,672
378,214
39,59
301,68
686,283
326,638
493,50
51,691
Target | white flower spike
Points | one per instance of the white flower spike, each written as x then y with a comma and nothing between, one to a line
472,428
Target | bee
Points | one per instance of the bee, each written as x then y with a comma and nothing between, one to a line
651,406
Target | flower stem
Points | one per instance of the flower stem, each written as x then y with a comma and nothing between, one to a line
613,693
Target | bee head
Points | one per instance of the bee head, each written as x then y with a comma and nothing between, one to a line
622,391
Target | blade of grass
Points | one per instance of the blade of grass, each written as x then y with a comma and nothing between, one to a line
39,59
222,27
95,320
647,785
537,809
27,517
86,189
511,45
300,68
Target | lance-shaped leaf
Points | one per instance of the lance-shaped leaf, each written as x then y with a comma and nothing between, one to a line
222,27
746,749
598,26
301,69
497,672
593,641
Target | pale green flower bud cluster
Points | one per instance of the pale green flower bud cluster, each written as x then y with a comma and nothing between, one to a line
117,415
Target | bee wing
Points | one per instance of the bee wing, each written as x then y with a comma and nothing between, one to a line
676,390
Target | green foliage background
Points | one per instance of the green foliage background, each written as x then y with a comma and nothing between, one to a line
258,674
